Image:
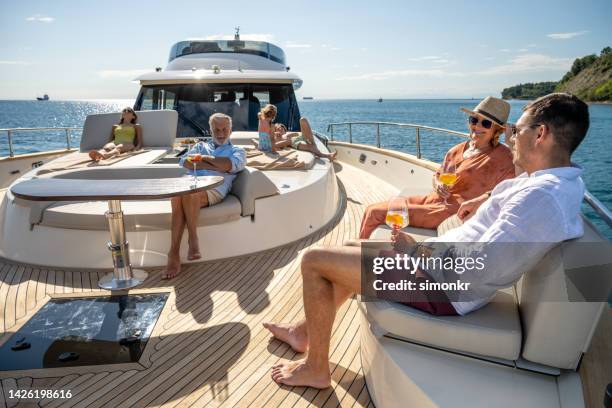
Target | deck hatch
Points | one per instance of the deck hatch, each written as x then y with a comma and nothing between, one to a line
84,331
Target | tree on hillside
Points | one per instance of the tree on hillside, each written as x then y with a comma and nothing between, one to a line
582,63
606,51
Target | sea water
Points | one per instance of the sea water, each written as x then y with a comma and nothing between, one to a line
593,154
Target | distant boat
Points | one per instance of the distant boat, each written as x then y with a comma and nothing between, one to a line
44,98
307,98
379,99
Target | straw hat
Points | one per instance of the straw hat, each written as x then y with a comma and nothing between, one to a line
492,108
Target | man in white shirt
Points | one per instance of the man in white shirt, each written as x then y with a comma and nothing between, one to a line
541,206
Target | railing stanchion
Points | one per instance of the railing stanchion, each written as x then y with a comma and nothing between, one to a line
332,132
418,142
67,139
9,134
378,135
350,133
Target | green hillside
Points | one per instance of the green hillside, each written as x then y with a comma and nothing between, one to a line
590,78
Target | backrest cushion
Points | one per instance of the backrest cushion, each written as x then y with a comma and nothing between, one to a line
556,330
158,128
249,185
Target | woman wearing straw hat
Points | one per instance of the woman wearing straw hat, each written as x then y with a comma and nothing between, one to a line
479,164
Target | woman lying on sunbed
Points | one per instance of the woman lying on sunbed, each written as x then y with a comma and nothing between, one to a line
303,140
125,136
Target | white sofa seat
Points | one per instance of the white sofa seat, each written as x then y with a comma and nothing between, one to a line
492,331
149,215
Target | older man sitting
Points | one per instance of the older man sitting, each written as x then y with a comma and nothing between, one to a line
219,158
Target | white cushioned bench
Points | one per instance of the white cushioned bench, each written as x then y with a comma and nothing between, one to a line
248,186
151,215
492,331
519,323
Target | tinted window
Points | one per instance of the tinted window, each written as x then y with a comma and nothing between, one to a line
260,48
196,102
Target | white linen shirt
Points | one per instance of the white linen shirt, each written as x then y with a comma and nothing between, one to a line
543,208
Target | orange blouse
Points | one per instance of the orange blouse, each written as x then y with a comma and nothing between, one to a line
475,176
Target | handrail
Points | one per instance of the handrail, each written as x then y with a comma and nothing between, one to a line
330,130
599,207
9,132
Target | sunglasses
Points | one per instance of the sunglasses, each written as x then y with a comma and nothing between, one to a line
516,130
485,123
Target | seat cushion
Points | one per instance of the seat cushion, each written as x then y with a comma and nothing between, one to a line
492,331
150,215
420,234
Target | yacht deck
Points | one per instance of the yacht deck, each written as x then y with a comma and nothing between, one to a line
209,348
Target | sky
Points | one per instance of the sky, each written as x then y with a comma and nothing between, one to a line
342,49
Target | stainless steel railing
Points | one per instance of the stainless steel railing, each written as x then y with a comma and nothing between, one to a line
600,209
418,128
11,131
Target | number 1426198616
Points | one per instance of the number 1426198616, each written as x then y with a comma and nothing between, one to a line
35,394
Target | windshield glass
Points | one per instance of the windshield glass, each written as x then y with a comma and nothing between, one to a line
263,49
196,102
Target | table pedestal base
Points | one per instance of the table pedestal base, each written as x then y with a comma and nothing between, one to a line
110,281
123,276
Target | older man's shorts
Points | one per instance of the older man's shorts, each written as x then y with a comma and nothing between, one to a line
214,197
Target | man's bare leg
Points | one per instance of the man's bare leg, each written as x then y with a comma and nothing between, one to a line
296,334
311,146
321,269
191,206
173,266
314,150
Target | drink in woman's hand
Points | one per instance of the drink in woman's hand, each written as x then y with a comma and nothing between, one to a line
448,179
397,220
397,213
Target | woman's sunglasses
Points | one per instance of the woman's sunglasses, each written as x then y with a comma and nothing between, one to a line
485,123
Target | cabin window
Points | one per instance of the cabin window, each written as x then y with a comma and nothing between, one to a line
196,102
155,98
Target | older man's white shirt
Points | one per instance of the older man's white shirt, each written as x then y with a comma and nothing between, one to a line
542,208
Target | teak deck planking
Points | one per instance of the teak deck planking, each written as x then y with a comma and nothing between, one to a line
209,347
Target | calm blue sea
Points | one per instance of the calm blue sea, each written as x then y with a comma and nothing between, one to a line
593,155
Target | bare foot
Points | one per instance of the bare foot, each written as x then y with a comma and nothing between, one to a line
173,268
332,156
293,335
300,373
96,155
192,256
193,252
